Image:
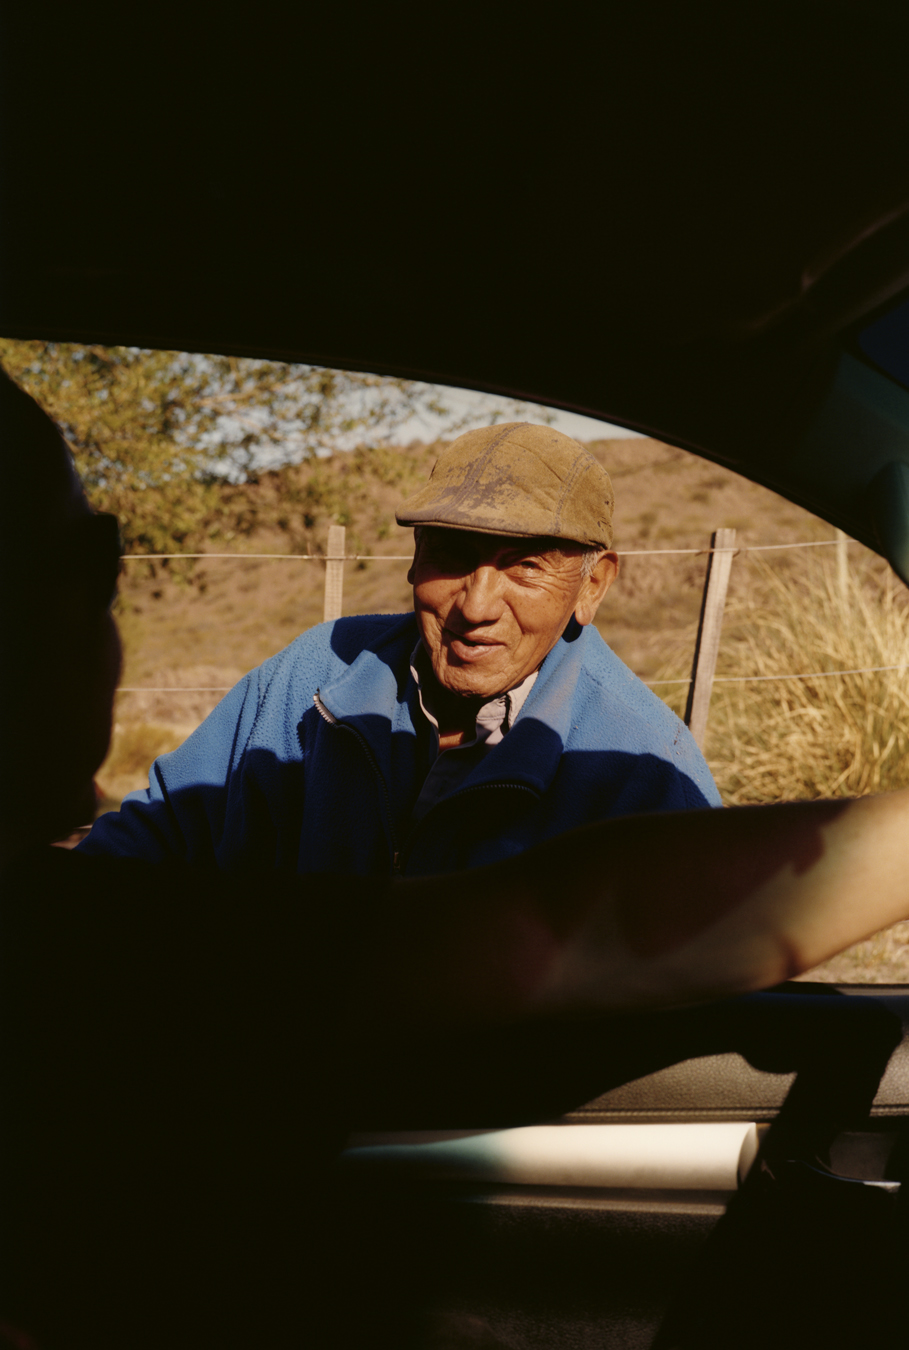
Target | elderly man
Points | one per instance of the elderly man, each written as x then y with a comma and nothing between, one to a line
493,717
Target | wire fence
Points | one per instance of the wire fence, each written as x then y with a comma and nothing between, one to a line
719,553
408,557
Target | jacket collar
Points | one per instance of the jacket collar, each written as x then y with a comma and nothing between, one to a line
380,682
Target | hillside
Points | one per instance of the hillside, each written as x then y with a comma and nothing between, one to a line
233,614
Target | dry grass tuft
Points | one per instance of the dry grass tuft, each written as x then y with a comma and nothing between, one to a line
833,736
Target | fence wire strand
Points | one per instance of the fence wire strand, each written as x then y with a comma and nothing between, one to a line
717,679
407,557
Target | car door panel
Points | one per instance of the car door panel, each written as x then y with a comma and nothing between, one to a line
522,1259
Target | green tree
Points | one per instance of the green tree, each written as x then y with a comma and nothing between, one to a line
156,435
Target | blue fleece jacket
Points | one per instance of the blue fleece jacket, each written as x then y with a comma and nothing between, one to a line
314,761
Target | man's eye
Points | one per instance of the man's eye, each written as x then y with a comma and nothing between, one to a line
447,556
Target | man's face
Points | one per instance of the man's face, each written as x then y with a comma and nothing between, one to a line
490,607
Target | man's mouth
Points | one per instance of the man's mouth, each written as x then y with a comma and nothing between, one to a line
469,648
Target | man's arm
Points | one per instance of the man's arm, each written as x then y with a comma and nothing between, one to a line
639,912
651,911
182,812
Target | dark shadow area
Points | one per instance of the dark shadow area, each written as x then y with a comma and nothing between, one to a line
540,1071
802,1258
168,1180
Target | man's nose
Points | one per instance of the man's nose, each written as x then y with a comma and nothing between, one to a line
480,600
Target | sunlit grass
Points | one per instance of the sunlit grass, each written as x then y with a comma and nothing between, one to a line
833,736
778,739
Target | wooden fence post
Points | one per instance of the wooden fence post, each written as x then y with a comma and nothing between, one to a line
719,565
842,566
334,572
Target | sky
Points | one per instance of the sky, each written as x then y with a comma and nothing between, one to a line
478,410
463,400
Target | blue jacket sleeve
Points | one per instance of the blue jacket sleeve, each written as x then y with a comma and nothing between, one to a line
184,811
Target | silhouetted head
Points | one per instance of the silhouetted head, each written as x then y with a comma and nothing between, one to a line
60,657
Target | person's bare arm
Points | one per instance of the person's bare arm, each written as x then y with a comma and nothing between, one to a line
651,911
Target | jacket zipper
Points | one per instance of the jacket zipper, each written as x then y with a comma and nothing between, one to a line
333,721
401,858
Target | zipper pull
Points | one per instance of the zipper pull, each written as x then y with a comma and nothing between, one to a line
396,865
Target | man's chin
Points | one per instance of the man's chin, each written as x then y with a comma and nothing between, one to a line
476,679
466,685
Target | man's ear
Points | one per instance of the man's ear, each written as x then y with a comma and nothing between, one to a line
416,550
594,587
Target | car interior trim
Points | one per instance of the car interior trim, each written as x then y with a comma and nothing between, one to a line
704,1157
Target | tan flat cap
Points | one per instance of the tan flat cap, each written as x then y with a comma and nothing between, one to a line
517,478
